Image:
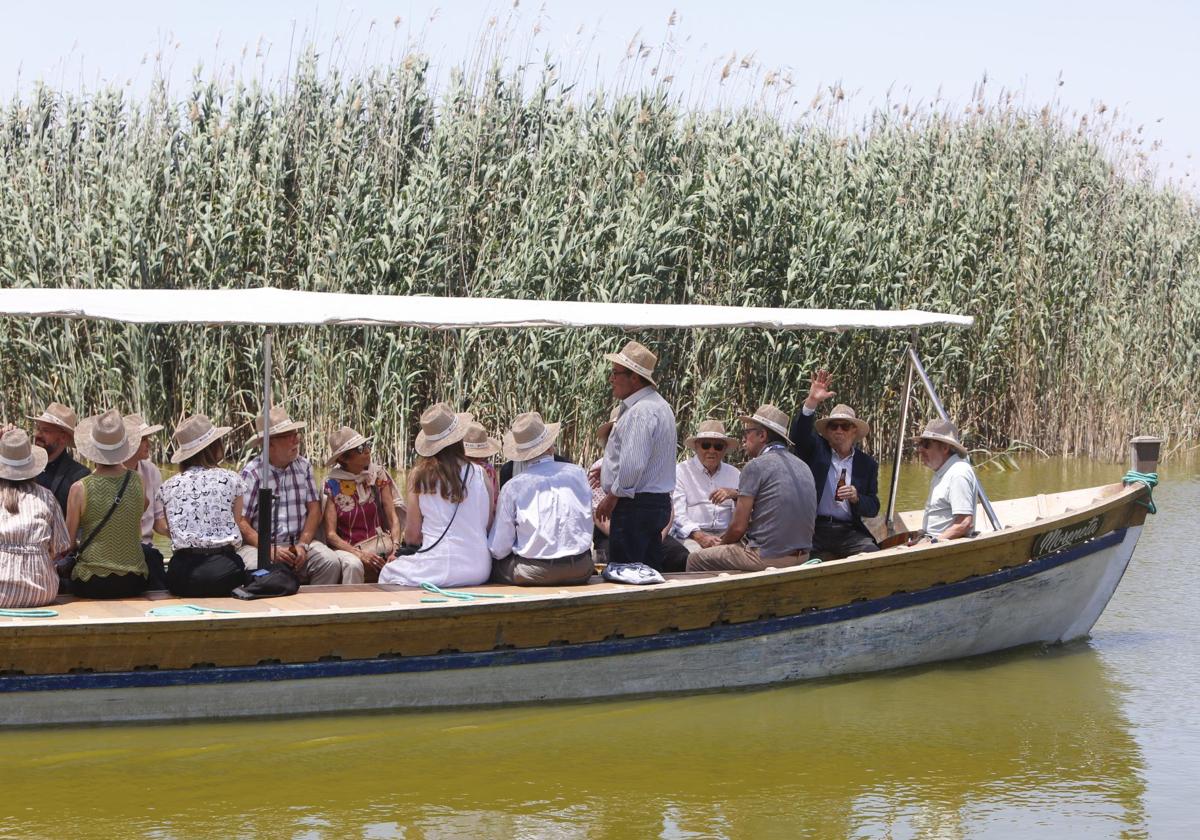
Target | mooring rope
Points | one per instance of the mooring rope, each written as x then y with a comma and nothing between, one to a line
1150,480
450,593
6,613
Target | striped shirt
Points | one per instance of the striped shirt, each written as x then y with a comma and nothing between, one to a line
294,489
29,539
640,454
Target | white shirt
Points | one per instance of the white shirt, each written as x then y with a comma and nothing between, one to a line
952,492
829,505
198,506
640,454
151,481
544,513
693,487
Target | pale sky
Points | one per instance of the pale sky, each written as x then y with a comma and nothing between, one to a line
1141,59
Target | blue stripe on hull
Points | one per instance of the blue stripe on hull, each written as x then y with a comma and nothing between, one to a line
584,650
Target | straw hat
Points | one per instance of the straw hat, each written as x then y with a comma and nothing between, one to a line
843,412
107,438
57,414
529,437
441,427
477,444
281,424
770,417
19,459
193,435
637,358
143,428
341,441
710,430
946,432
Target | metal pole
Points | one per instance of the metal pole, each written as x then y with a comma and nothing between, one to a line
941,410
891,508
264,490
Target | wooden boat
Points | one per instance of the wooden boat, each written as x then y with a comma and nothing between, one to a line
1045,577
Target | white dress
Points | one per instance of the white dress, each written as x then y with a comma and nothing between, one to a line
462,557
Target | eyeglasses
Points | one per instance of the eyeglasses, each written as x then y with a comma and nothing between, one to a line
925,444
361,448
839,425
620,372
746,432
712,444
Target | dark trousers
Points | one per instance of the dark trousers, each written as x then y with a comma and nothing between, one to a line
675,555
154,565
635,534
833,540
109,586
205,573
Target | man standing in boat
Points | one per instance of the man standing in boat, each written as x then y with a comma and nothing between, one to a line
54,431
847,479
950,508
776,503
638,473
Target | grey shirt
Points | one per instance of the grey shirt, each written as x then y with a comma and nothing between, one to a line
785,503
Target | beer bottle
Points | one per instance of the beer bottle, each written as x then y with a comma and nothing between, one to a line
841,481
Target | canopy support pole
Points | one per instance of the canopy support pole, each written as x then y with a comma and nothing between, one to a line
941,410
889,519
264,491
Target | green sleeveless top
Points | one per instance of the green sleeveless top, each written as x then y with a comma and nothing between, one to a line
117,549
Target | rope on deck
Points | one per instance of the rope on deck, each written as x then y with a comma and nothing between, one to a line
450,593
6,613
1150,480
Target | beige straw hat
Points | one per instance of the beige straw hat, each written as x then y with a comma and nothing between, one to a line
946,432
20,460
771,417
58,415
843,412
193,435
107,438
281,424
710,430
529,437
342,440
143,428
441,427
477,444
637,358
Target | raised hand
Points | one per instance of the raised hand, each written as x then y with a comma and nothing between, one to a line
818,390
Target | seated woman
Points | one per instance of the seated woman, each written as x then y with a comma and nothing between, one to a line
104,512
32,531
449,504
481,450
358,503
198,510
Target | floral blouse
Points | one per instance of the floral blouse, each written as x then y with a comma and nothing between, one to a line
358,501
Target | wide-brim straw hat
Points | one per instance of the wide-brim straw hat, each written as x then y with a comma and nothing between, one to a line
843,412
770,417
637,358
143,427
107,438
57,414
193,435
20,459
477,444
529,437
341,441
441,427
711,430
281,424
946,432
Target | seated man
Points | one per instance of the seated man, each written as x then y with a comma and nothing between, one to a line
54,431
542,531
705,488
847,478
152,479
776,504
950,509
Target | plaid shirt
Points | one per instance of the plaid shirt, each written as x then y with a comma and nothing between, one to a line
294,488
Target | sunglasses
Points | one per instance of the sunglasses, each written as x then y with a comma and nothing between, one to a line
924,444
361,448
712,444
620,372
839,425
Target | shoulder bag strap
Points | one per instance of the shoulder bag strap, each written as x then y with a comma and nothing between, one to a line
466,473
115,503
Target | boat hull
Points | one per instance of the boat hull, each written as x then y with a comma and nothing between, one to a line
1055,598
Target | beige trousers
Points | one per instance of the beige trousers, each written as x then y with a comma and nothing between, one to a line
565,571
321,564
739,557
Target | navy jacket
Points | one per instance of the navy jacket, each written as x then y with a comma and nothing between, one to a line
815,451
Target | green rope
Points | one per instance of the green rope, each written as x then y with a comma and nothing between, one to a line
462,596
27,613
185,609
1150,480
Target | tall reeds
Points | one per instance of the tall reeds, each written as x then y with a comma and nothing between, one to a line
1084,276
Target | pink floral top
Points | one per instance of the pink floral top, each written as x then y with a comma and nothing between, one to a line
357,500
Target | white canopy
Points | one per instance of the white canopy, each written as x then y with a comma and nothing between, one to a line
280,306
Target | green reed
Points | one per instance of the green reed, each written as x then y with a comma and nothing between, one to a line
1083,276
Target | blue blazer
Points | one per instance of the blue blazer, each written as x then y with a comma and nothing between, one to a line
815,451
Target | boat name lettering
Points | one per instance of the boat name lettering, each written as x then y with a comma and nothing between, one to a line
1060,538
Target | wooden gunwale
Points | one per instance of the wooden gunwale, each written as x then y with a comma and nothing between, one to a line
325,623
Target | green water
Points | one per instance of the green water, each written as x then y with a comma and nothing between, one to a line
1096,739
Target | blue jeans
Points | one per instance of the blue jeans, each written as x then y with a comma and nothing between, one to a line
635,534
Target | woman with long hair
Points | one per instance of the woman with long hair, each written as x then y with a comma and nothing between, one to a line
32,531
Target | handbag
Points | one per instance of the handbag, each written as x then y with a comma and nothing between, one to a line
406,550
66,564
